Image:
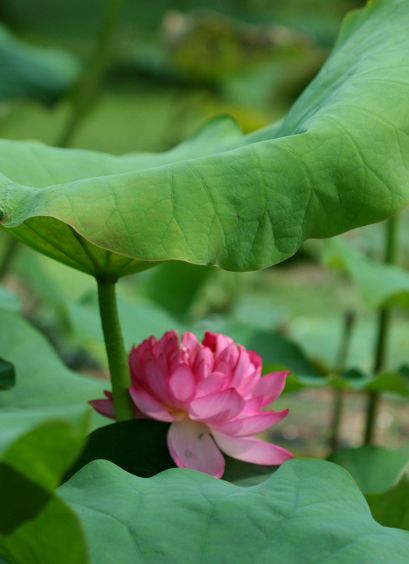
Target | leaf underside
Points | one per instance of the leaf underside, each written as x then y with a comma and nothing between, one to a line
338,160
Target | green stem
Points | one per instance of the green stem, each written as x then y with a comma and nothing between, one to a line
338,405
12,246
115,349
383,331
88,87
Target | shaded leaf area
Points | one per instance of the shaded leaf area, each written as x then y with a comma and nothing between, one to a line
396,383
283,518
379,284
391,508
140,447
375,469
54,535
33,72
175,287
7,375
35,525
239,202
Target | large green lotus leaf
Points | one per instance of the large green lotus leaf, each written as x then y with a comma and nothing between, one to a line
375,469
379,284
339,159
33,72
308,511
391,508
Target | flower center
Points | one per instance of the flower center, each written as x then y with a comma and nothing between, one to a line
178,414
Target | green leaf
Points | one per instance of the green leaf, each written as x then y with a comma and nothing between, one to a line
380,284
8,301
308,511
44,384
386,382
34,72
7,375
55,535
140,447
175,286
391,508
238,202
35,525
375,469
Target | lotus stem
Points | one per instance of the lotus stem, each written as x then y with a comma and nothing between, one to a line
88,86
339,396
115,349
12,246
383,330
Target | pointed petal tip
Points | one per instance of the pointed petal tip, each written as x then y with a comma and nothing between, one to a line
104,407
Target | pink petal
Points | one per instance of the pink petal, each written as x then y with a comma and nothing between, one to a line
217,407
210,385
156,380
216,342
136,357
167,343
190,344
247,426
269,387
203,364
182,384
244,377
255,359
104,407
149,405
252,450
191,446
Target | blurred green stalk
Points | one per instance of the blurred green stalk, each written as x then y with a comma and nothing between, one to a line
340,366
85,96
383,331
88,87
11,247
115,349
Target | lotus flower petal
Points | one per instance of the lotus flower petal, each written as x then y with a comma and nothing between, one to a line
150,406
246,426
252,450
104,407
182,384
217,407
269,387
191,446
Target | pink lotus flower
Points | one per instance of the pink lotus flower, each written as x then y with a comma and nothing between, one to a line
213,395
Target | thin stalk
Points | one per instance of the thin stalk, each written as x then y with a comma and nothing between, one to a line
338,405
383,331
88,87
115,349
12,246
